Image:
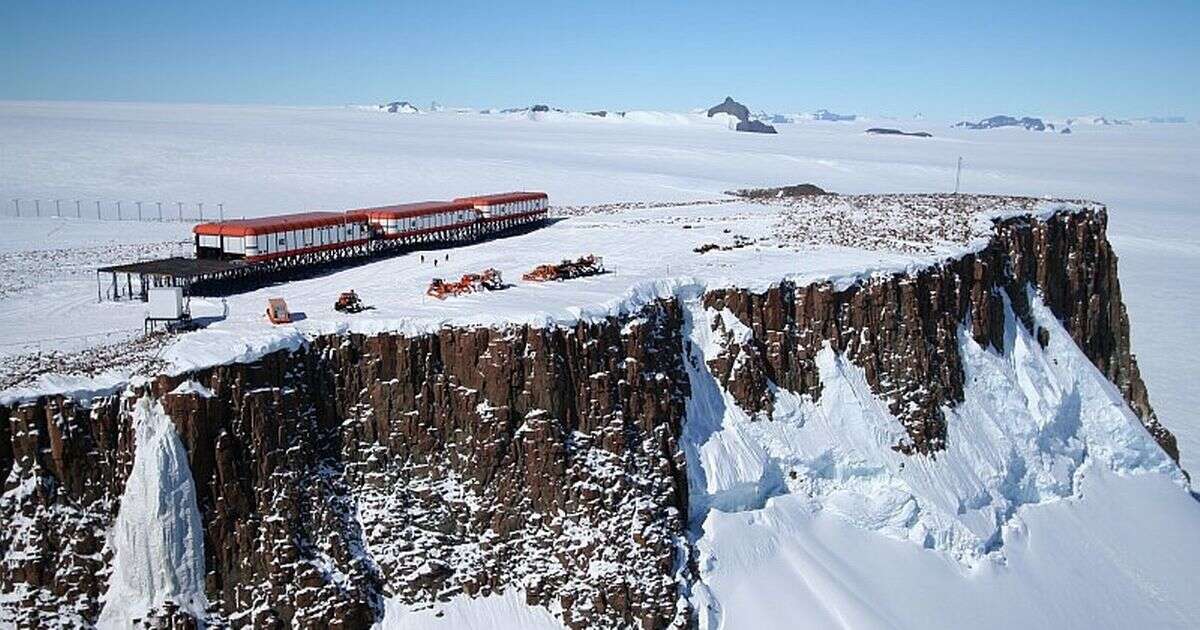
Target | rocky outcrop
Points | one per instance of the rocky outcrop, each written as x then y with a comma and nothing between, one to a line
6,444
887,131
731,107
67,467
755,126
473,461
1070,261
902,329
742,113
781,192
995,122
826,115
400,107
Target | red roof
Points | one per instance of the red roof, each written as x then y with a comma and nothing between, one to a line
508,197
266,225
416,209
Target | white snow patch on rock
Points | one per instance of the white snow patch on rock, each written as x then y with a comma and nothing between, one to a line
191,386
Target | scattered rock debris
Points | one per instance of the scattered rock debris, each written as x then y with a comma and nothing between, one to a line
798,190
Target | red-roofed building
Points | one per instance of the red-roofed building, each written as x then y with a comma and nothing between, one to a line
264,238
297,235
511,206
419,218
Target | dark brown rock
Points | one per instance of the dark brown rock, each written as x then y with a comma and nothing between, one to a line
69,461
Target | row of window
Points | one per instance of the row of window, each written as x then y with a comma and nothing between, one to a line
290,240
425,222
515,207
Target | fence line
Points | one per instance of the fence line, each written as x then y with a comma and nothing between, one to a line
121,210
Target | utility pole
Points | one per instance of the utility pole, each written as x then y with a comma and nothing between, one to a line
78,211
159,204
37,206
201,208
98,215
180,204
118,210
958,175
221,208
57,208
139,205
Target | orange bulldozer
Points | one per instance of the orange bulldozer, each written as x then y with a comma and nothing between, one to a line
585,266
488,280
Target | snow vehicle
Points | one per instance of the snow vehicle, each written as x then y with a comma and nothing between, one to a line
589,265
349,302
488,280
277,311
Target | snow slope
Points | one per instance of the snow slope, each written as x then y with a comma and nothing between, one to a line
815,507
1071,564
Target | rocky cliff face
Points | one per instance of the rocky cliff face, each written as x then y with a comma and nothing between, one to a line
473,461
902,329
67,464
470,461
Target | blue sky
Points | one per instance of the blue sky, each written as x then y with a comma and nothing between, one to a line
938,58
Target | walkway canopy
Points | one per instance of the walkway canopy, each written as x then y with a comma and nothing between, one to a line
167,272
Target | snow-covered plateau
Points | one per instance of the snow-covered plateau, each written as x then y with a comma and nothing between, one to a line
865,410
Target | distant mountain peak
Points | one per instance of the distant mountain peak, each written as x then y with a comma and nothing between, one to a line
742,113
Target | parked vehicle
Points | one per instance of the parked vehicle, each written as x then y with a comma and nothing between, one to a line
584,266
349,302
488,280
277,311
